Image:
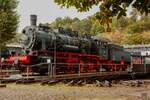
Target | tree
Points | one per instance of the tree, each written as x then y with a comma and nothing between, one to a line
108,8
76,19
121,23
8,20
96,29
139,27
134,15
57,23
76,26
133,39
124,30
67,20
86,26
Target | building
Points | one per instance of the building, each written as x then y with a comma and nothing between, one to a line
143,50
140,53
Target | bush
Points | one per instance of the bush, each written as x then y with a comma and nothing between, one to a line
138,27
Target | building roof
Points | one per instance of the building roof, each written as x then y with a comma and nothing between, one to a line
137,46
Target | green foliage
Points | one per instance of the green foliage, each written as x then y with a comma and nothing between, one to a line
136,38
121,23
125,30
97,29
76,26
85,26
81,5
108,8
138,27
8,20
16,39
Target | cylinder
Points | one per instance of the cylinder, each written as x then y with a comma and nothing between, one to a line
33,20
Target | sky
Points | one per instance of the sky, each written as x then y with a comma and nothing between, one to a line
47,11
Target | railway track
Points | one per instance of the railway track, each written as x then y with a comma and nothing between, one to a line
31,78
76,76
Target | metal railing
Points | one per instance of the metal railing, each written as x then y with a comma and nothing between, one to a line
73,70
67,70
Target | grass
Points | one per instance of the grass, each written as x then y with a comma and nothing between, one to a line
64,92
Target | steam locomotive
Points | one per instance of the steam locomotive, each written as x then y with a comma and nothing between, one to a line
69,48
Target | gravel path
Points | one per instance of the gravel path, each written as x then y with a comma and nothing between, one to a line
64,92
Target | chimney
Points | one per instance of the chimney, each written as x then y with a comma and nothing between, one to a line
33,20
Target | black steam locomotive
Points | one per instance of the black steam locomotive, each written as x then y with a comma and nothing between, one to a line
69,47
41,38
